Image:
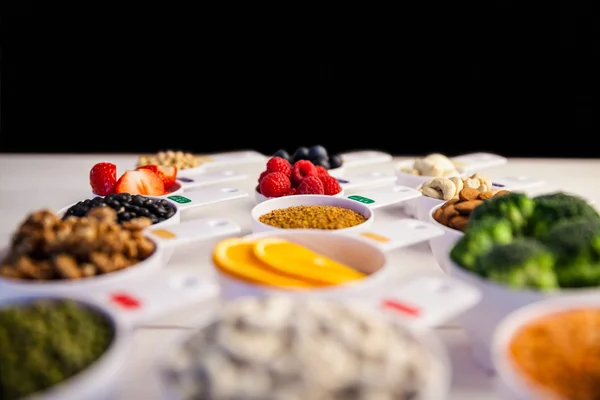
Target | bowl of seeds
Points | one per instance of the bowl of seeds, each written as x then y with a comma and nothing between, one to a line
311,212
330,213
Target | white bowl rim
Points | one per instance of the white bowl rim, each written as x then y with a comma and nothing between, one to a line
373,278
368,213
61,212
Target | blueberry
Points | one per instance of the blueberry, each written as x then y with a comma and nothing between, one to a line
316,152
301,153
322,161
335,161
283,154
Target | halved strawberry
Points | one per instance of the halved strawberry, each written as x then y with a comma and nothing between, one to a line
166,174
103,177
141,181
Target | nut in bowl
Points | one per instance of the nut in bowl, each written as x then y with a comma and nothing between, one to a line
186,164
439,190
354,212
519,249
49,254
414,173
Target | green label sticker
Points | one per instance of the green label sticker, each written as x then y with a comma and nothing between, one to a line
179,199
361,199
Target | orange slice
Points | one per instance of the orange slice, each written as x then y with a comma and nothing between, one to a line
298,261
235,257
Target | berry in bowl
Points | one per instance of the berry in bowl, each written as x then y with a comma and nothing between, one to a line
318,155
280,178
149,180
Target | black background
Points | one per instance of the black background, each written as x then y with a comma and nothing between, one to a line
515,78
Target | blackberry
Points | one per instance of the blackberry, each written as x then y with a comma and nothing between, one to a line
127,206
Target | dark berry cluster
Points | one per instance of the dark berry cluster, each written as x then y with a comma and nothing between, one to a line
316,154
127,206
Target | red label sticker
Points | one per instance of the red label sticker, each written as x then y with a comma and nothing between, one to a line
401,307
126,301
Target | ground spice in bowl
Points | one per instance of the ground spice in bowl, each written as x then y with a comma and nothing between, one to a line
561,353
313,217
45,342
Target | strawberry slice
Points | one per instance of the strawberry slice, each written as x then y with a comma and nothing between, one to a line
142,181
166,174
103,177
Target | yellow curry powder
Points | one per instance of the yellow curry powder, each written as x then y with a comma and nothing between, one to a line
561,353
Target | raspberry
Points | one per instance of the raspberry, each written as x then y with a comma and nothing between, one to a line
262,175
310,185
321,170
279,164
331,185
291,192
303,169
275,184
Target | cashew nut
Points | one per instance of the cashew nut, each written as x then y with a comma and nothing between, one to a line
458,182
431,192
483,179
471,183
483,188
443,185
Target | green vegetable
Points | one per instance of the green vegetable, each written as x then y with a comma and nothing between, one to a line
47,341
514,207
576,244
479,239
550,209
523,263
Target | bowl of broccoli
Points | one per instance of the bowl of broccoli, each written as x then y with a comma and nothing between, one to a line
519,249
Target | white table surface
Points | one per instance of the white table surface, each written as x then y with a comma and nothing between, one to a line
31,182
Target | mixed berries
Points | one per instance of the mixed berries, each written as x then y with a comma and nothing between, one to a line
150,180
281,178
315,154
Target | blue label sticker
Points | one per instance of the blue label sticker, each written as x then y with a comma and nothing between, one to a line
186,180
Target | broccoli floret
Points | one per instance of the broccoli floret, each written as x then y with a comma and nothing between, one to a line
576,244
479,239
514,207
553,208
523,263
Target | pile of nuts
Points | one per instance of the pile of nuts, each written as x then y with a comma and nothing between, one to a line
45,247
449,188
432,165
455,212
171,158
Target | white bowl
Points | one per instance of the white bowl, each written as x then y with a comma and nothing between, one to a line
309,200
363,203
157,294
512,384
96,382
426,338
166,241
337,172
